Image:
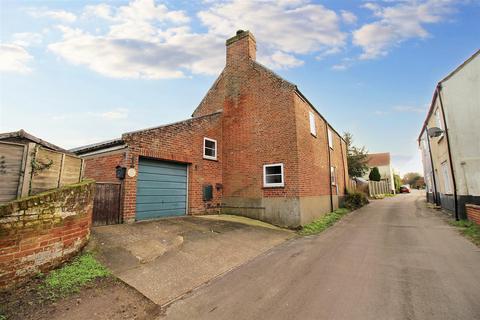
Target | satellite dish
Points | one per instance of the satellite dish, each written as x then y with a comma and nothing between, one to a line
434,132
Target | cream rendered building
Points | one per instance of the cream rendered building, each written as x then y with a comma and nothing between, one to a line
451,160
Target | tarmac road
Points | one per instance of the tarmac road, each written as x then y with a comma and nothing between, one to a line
393,259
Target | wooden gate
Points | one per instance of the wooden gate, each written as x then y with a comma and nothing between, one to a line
106,205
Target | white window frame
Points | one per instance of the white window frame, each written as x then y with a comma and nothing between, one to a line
273,185
313,128
330,138
204,146
439,123
333,175
446,178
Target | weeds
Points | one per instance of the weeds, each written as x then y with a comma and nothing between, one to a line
71,277
468,229
324,222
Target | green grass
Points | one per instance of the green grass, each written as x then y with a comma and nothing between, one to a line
323,223
468,229
71,277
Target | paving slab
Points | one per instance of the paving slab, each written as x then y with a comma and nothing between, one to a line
166,258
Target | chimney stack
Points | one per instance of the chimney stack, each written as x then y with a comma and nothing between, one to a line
241,47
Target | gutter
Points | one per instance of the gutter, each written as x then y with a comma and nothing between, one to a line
439,87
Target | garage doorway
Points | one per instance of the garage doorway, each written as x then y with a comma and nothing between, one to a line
161,189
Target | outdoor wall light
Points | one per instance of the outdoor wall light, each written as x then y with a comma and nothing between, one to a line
435,132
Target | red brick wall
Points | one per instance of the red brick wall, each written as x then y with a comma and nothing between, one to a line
473,213
181,142
101,168
266,121
40,232
314,171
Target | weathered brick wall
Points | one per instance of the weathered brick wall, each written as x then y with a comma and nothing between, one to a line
180,142
101,168
40,232
473,213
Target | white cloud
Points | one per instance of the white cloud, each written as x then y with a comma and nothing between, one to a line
348,17
61,15
281,60
14,58
26,39
291,27
340,67
114,114
409,109
144,40
399,22
148,40
120,113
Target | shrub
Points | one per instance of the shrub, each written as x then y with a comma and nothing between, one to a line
374,174
355,200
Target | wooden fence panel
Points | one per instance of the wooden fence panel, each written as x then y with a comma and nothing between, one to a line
106,204
378,187
71,170
48,177
11,161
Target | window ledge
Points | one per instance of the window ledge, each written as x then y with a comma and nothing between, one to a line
441,138
209,158
273,187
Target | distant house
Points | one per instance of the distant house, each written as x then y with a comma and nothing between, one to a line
451,152
383,163
255,146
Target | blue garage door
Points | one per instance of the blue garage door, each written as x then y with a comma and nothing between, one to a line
161,189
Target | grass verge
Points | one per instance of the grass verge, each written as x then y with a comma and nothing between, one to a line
469,230
72,276
323,223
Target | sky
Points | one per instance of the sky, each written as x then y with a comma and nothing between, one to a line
80,72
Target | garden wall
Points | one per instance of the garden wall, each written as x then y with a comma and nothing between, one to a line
473,213
40,232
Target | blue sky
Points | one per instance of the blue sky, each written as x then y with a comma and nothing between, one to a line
75,72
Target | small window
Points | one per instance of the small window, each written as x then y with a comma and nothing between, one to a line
313,129
438,119
330,138
273,175
209,149
446,178
333,175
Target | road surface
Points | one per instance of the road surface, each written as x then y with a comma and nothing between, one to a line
394,259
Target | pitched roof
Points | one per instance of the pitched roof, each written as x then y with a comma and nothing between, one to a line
378,159
22,134
439,87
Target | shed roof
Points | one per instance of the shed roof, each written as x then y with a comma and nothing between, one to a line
378,159
22,134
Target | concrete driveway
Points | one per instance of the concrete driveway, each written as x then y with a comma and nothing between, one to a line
393,259
164,259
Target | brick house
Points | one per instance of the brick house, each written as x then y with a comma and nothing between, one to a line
255,146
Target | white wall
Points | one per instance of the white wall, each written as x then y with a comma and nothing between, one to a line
461,100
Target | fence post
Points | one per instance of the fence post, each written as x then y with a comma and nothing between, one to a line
60,172
31,151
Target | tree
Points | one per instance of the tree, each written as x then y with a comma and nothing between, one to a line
397,181
374,174
411,178
356,157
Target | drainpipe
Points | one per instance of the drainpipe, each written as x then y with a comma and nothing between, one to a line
439,86
343,165
329,168
433,169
